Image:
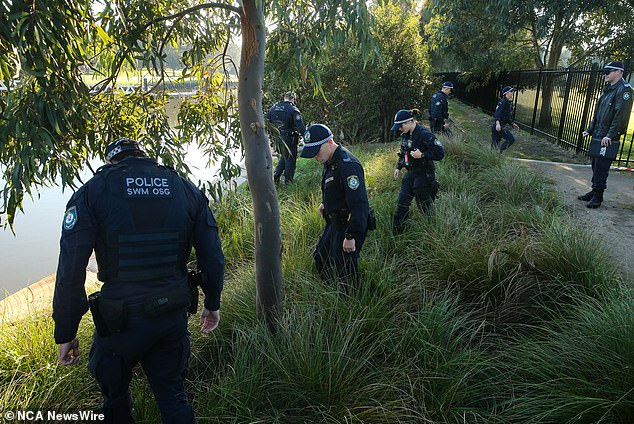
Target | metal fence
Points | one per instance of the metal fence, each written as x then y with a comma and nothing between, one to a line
554,103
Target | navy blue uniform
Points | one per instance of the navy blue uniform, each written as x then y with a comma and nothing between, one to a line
288,120
142,220
438,112
420,180
504,114
346,210
610,120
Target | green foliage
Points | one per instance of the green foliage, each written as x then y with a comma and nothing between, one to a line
487,36
357,92
576,369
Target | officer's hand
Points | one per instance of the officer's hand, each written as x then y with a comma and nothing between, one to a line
321,208
515,126
606,141
68,353
498,127
585,133
397,173
349,246
209,320
417,154
446,125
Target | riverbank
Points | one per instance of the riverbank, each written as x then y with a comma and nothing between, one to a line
37,298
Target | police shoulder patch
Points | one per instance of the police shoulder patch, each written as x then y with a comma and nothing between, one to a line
353,182
627,95
70,218
307,137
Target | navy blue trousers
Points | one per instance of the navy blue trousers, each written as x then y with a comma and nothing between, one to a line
600,170
288,159
421,186
161,346
497,136
437,126
332,262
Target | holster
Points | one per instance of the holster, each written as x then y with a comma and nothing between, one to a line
194,280
109,316
100,325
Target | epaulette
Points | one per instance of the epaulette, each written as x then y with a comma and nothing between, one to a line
344,156
105,167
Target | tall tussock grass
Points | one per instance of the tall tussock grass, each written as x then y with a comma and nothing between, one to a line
496,308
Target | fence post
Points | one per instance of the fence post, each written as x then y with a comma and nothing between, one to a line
564,108
539,84
592,82
517,87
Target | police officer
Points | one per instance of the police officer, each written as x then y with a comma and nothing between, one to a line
503,117
288,120
439,109
344,206
142,220
610,121
419,149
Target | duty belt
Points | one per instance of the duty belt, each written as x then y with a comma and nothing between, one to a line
339,217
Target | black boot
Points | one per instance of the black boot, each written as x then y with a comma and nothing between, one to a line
596,200
586,197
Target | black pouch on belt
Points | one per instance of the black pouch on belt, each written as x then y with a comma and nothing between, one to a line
95,311
166,302
114,314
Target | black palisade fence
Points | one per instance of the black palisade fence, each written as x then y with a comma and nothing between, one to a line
554,103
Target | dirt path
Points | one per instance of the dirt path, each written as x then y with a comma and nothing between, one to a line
613,221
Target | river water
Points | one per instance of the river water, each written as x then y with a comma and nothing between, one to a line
32,253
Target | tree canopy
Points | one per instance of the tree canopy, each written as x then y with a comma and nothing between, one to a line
490,35
360,96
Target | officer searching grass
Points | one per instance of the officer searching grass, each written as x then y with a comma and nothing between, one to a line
288,120
503,121
439,109
419,149
142,220
344,207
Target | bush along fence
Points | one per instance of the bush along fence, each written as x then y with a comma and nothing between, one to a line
555,103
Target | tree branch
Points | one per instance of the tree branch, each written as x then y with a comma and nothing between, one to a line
191,10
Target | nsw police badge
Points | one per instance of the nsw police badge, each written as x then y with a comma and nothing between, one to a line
353,182
70,218
626,96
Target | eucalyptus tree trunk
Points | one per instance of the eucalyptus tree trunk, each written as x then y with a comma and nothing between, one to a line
548,87
258,160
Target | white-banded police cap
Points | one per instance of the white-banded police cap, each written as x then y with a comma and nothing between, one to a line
315,136
121,145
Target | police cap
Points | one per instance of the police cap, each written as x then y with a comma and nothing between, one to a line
315,136
613,66
508,89
401,117
121,145
447,84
